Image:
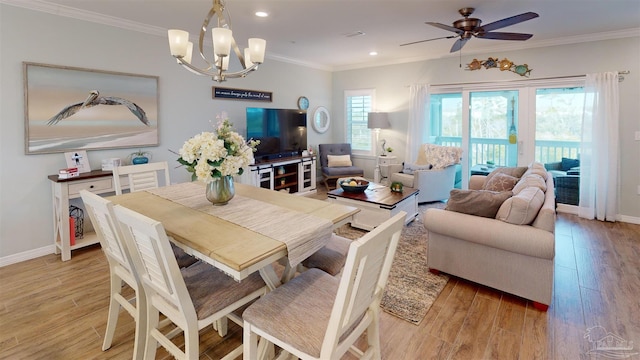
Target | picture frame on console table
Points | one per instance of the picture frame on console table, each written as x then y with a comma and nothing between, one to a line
70,108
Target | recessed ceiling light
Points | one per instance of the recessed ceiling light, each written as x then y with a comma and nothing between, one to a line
262,14
373,53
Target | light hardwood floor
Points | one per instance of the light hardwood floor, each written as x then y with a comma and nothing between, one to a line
55,310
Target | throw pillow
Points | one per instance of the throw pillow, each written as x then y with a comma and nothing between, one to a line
511,171
567,164
500,182
522,209
530,180
339,160
476,202
411,168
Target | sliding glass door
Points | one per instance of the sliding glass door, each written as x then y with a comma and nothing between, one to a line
493,131
507,125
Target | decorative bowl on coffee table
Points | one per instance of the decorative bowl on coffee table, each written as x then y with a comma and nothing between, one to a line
359,187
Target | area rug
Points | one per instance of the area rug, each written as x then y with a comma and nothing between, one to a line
411,289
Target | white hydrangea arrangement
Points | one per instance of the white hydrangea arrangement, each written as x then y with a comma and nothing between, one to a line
223,152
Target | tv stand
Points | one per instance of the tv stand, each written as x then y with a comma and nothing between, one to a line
295,174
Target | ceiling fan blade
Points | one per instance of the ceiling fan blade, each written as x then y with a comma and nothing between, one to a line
458,45
421,41
508,21
445,27
504,36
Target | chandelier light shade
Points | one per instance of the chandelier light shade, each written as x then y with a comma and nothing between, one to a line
223,42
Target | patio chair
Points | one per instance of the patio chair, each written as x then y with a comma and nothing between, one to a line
342,308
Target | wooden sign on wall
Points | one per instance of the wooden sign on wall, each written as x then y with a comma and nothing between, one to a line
242,94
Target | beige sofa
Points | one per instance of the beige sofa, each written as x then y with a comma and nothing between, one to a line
517,259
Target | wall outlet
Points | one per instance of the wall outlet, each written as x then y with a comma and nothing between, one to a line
637,135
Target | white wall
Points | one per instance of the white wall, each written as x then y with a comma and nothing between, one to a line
185,107
185,104
392,93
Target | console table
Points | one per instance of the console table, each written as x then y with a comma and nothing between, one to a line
98,182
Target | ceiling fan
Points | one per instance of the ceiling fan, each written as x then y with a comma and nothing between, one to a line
470,27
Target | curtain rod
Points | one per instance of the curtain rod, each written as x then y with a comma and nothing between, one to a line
620,78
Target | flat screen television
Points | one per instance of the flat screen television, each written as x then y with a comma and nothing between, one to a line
282,132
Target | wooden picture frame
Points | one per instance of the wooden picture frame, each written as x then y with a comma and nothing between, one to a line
123,113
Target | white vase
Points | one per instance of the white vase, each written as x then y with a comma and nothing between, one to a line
220,190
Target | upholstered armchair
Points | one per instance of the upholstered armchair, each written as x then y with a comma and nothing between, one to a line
433,173
336,162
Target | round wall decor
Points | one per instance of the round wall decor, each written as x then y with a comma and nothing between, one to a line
321,120
303,103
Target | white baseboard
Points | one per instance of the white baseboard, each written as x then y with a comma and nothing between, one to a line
571,209
27,255
629,219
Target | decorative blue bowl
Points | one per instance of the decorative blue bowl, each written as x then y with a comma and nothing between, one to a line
361,187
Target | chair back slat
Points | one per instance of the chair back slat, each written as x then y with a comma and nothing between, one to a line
103,219
154,260
363,279
141,177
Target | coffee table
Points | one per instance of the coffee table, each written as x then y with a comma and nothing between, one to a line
377,204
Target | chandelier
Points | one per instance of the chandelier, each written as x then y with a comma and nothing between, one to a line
217,67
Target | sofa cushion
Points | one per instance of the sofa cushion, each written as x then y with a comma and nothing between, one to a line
509,170
537,168
522,208
567,164
477,202
500,182
530,180
339,160
411,168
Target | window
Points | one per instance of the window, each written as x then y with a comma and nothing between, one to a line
358,105
558,123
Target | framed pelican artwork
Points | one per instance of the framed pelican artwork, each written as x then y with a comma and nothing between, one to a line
68,108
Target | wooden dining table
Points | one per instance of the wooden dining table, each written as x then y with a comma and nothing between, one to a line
230,247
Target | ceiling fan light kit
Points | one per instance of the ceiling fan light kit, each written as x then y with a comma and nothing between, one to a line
468,27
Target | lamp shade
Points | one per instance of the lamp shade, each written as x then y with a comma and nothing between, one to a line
178,42
378,120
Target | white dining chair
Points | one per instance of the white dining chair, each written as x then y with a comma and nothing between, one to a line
121,270
191,298
330,258
145,177
318,316
141,177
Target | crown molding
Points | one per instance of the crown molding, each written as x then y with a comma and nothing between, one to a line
67,11
74,13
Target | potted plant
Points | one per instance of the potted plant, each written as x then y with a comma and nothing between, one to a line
139,157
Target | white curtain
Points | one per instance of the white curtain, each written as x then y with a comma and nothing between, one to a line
417,127
600,148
